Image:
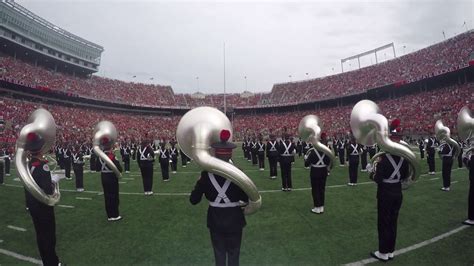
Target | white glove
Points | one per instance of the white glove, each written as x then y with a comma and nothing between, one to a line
369,167
55,178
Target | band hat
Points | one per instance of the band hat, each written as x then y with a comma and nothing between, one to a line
224,147
395,129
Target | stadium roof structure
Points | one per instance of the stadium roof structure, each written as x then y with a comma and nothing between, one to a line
24,33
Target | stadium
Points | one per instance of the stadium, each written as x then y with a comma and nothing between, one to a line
45,66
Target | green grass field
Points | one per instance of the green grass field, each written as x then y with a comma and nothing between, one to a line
167,229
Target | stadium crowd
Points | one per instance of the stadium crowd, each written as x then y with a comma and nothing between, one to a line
418,113
442,57
434,60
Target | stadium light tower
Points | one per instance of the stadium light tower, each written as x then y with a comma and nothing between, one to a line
197,83
245,77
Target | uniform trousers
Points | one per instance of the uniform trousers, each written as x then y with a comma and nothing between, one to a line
79,174
470,203
363,161
7,166
126,164
254,158
1,172
422,153
446,171
431,162
165,170
93,162
45,228
174,164
353,166
318,185
226,247
285,168
273,161
388,207
341,157
111,194
67,168
261,160
147,177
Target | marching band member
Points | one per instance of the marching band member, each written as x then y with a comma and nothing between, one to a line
174,156
299,147
145,159
341,149
225,217
2,169
93,159
272,155
110,183
6,159
421,147
372,150
446,153
363,159
184,159
78,168
353,150
125,152
164,155
462,145
261,153
67,161
468,160
430,150
287,151
319,163
254,151
42,215
306,146
248,146
390,171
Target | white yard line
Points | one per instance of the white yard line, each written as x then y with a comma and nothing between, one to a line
81,198
16,228
413,247
65,206
20,257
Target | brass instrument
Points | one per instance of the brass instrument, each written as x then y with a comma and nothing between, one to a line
370,127
197,130
105,131
465,125
309,130
444,134
41,125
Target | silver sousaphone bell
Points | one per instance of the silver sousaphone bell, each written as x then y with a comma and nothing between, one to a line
370,127
105,133
309,130
197,130
40,131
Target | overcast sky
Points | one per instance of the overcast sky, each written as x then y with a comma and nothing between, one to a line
176,42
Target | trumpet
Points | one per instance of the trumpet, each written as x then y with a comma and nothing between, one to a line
196,131
309,130
370,127
40,127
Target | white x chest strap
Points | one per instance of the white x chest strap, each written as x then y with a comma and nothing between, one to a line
221,194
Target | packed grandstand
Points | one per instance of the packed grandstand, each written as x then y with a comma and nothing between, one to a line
423,86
